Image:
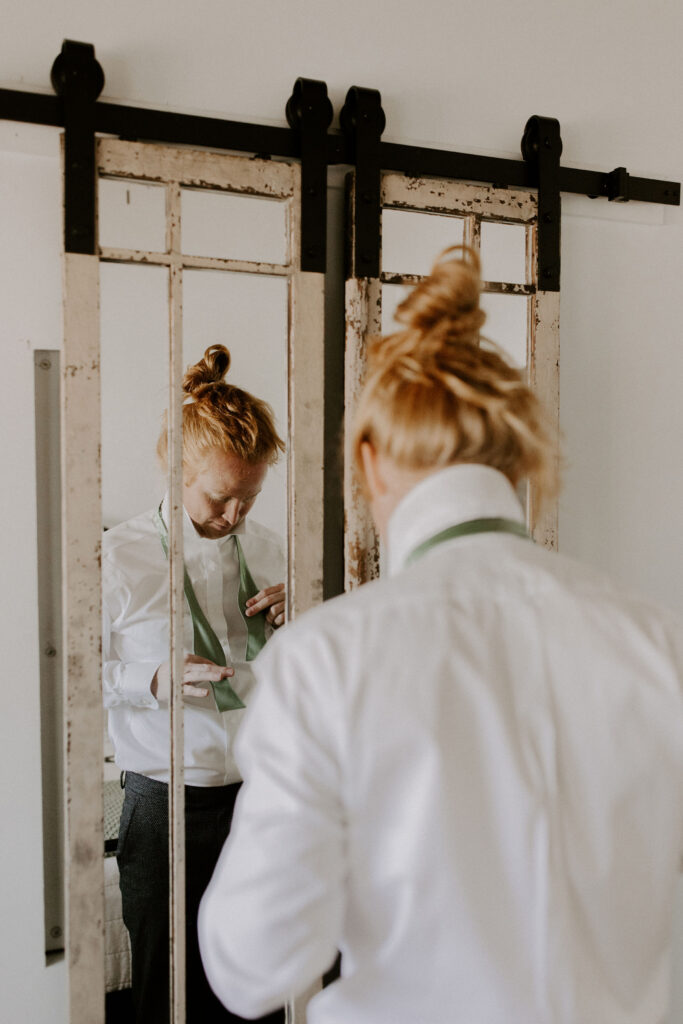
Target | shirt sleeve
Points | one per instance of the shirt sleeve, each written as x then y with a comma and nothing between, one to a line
271,917
122,682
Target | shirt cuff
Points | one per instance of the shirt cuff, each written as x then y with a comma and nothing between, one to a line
134,684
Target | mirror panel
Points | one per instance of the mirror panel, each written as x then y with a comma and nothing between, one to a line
392,296
411,241
503,252
134,339
506,324
224,225
131,215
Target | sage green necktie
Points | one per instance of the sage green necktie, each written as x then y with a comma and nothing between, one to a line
256,626
206,643
465,529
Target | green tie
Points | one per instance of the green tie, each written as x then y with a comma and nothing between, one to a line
464,529
256,627
206,643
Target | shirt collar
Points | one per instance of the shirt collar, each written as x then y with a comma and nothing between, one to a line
450,496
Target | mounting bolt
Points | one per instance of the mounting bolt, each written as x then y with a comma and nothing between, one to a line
56,932
49,651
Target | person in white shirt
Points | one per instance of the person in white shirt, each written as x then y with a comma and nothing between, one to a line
468,775
233,566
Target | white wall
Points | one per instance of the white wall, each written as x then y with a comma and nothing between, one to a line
461,75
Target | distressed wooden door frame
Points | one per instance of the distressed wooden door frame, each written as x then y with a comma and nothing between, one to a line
174,168
473,204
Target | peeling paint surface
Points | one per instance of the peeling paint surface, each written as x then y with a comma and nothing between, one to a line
196,168
363,321
81,624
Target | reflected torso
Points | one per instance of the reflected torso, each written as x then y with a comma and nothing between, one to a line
136,642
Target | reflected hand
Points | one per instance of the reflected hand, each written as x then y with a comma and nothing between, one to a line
195,670
271,598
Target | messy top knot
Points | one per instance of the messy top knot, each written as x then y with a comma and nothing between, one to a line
434,397
447,302
220,416
211,369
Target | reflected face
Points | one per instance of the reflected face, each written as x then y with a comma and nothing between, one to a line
220,493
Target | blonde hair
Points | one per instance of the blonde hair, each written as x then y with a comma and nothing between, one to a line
434,397
221,416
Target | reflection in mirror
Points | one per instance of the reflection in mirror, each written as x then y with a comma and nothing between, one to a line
507,324
411,240
132,215
392,297
249,314
134,347
503,252
233,227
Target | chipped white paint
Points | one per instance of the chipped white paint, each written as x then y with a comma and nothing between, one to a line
165,259
363,321
196,168
83,721
544,378
305,448
439,195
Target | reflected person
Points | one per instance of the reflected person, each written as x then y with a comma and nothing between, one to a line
467,776
233,601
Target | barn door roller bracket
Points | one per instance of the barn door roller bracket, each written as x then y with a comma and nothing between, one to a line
78,80
362,122
309,112
541,149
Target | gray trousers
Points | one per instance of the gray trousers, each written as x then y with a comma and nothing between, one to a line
142,856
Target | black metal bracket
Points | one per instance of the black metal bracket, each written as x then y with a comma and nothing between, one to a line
309,112
541,149
618,185
78,79
363,121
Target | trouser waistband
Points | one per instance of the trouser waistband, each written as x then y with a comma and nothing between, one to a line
196,796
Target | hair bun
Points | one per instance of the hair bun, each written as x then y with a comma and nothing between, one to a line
447,302
210,369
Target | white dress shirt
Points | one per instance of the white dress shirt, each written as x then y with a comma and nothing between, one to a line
469,778
135,640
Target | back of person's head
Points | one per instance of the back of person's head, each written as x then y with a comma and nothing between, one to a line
434,396
220,416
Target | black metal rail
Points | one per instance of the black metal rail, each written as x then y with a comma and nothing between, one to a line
78,79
